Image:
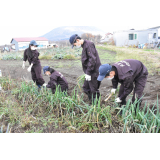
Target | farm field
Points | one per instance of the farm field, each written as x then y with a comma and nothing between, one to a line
23,109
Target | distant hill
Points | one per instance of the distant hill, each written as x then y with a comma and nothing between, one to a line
64,33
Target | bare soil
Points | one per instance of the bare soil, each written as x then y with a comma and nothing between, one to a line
72,69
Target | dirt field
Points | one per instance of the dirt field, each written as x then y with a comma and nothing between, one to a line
72,69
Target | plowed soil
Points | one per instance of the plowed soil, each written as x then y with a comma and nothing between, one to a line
72,69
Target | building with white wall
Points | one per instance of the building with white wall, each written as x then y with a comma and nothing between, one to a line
135,37
23,43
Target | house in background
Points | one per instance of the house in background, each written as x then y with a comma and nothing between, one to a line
23,43
107,37
52,45
136,37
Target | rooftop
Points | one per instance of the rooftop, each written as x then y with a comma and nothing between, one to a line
28,39
134,30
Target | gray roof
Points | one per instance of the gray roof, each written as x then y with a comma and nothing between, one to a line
134,30
155,27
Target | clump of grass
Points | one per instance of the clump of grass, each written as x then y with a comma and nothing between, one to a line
80,81
45,57
31,110
144,120
69,56
8,130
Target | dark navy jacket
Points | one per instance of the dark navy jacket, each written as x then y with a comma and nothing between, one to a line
90,58
56,79
128,71
35,60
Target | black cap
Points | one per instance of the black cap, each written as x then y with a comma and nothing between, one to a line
73,39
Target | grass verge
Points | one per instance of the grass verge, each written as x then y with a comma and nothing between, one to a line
150,58
25,109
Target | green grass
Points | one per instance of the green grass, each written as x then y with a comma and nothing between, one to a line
48,57
149,58
105,55
23,107
69,56
49,54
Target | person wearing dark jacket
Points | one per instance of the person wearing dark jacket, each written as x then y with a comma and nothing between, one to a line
90,64
31,54
56,78
130,73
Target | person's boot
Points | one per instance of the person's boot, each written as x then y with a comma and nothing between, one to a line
89,97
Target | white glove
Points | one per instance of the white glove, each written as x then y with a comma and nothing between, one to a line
29,68
113,91
118,100
23,66
87,77
44,85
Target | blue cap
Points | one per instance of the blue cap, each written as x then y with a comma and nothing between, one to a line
33,42
103,70
72,39
46,68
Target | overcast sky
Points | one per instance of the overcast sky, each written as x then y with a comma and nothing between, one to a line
30,18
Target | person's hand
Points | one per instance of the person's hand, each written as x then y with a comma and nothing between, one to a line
29,69
113,91
44,85
118,100
23,65
88,77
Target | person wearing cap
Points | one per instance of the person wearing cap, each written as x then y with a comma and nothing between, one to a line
31,54
56,78
90,64
130,73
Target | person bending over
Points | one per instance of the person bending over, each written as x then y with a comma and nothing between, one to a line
130,73
56,78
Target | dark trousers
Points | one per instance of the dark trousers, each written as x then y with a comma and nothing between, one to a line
61,89
36,74
139,85
91,88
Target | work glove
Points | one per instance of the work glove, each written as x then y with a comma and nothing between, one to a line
113,91
29,68
88,77
44,85
118,100
23,65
